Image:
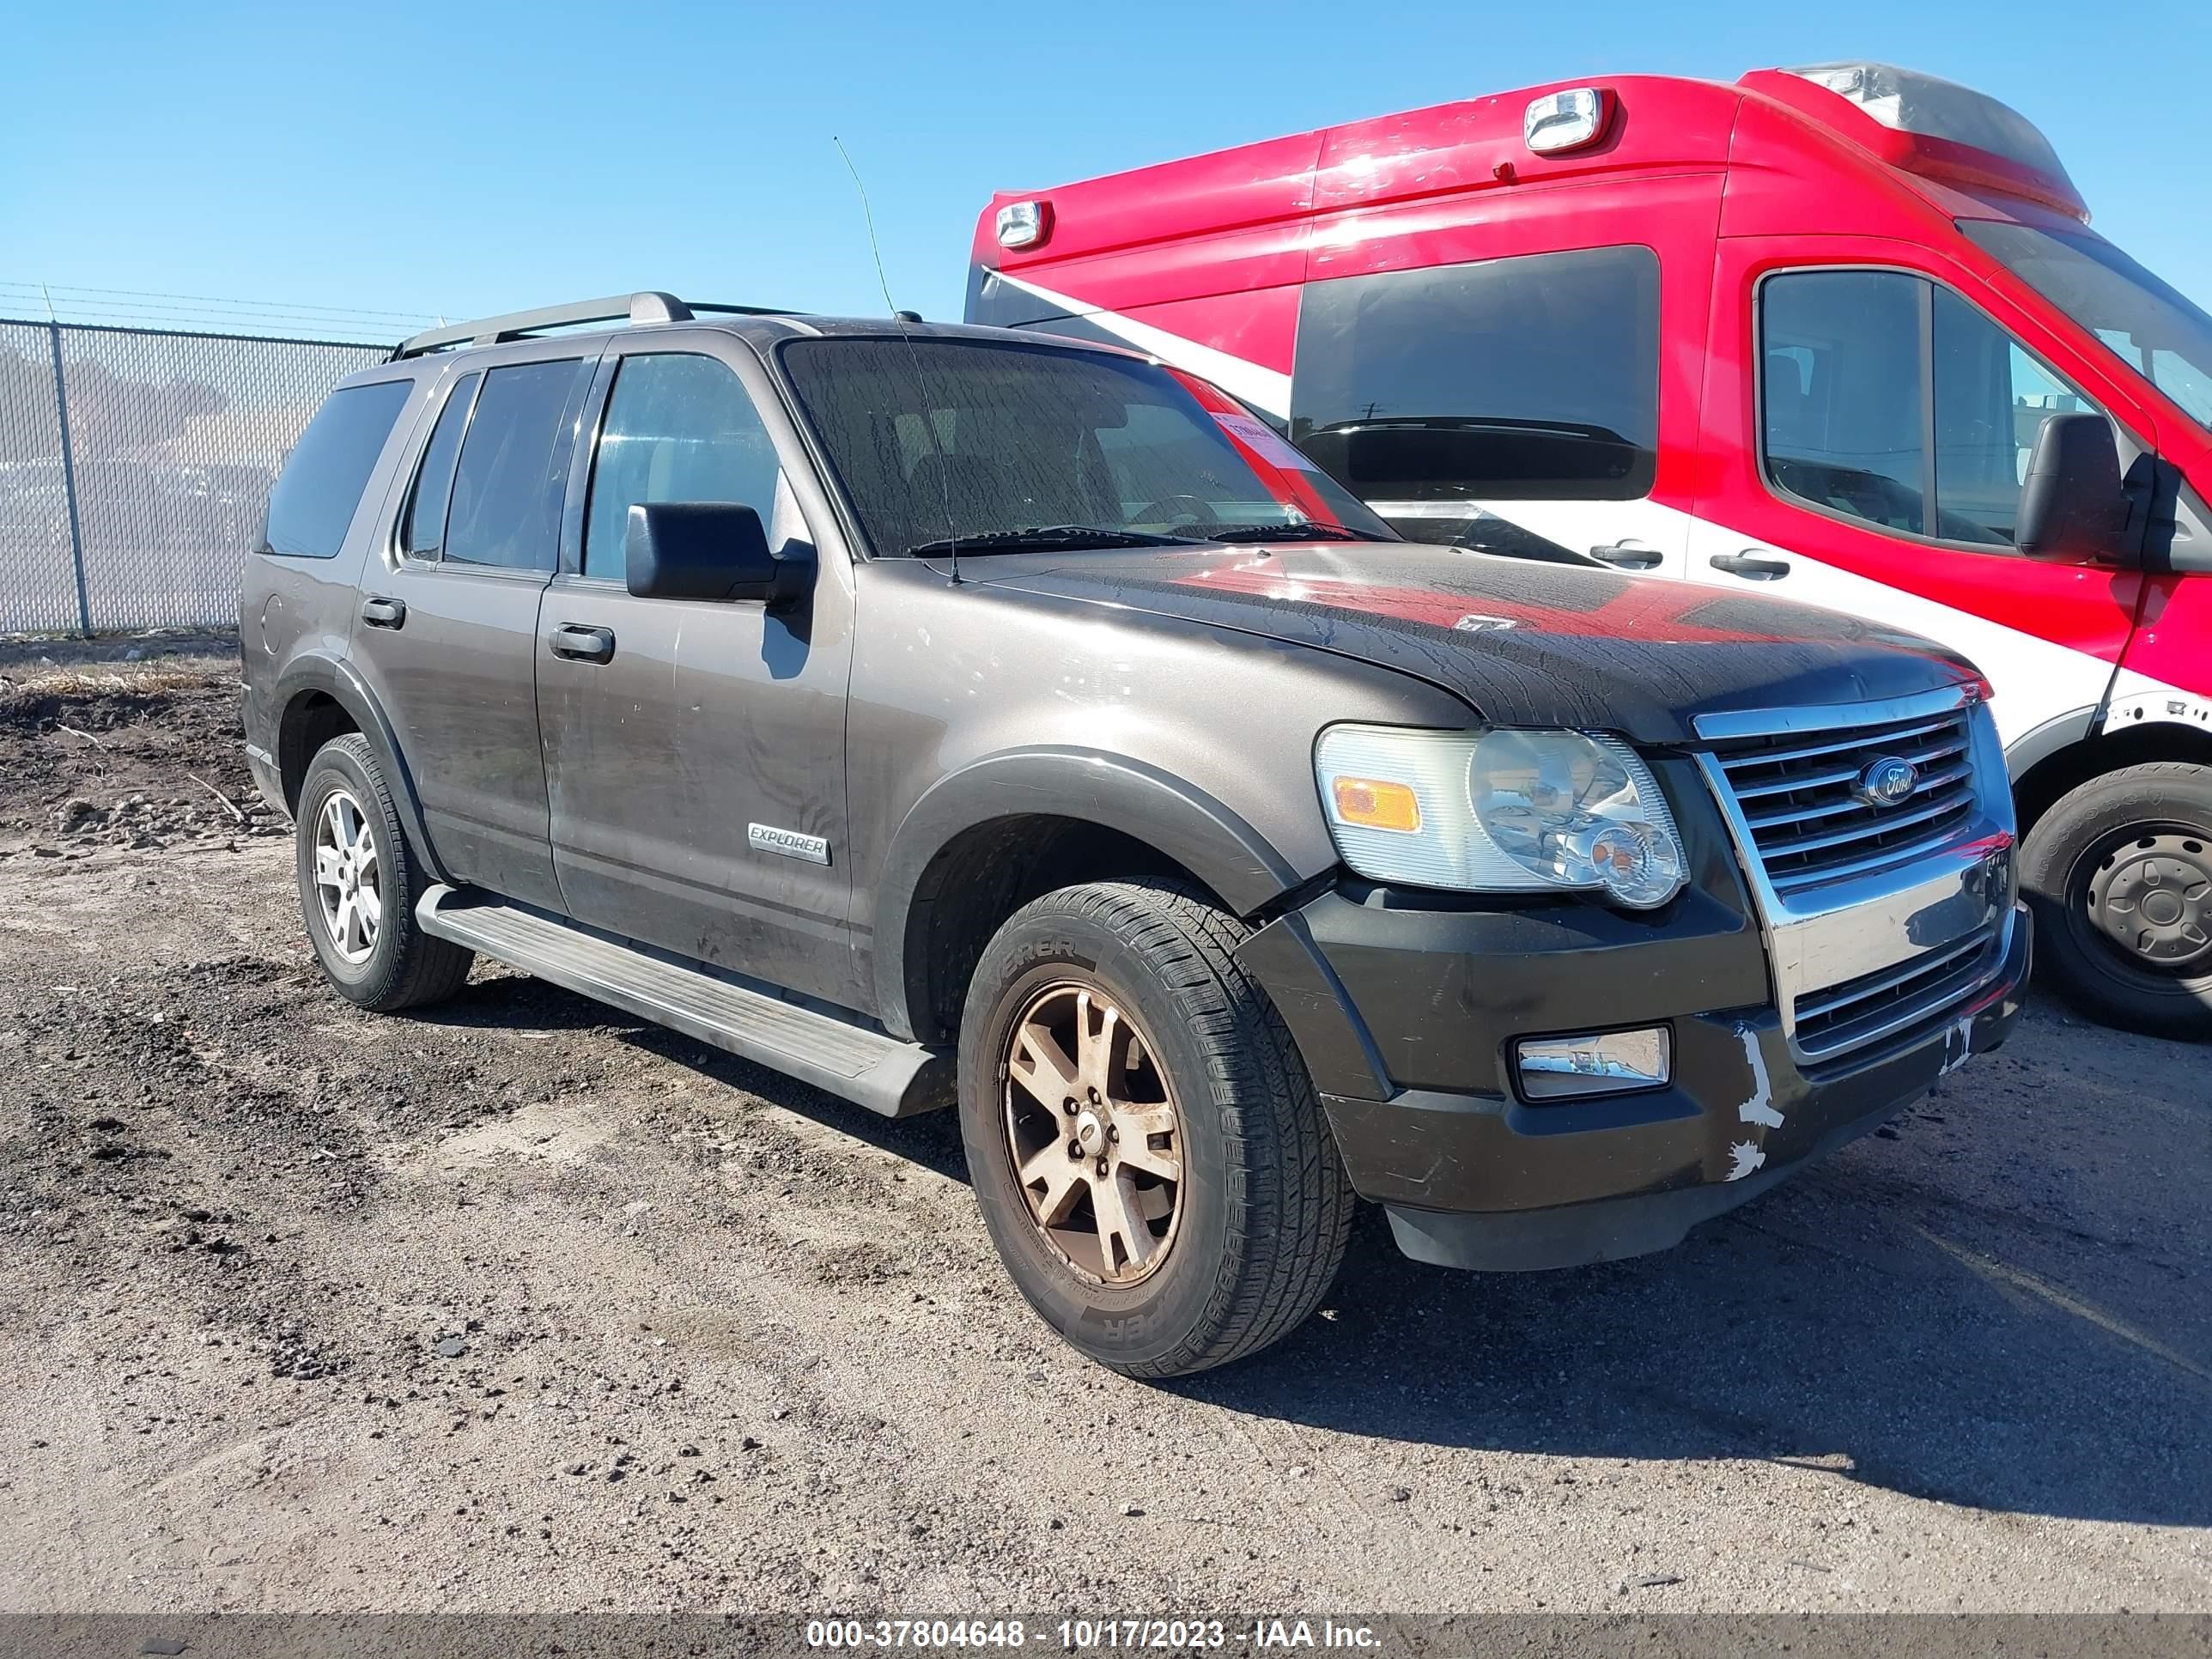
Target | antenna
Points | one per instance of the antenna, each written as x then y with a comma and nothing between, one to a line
902,319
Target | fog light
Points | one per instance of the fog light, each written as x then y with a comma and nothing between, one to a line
1602,1063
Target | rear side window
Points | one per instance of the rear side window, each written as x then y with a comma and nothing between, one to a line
314,499
679,427
506,508
425,532
1527,378
1889,400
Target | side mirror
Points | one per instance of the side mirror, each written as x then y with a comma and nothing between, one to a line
2072,506
708,550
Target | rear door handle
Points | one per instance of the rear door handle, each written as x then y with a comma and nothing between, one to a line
384,613
580,644
1750,567
1627,556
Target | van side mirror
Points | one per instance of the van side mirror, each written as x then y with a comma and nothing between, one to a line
708,550
2072,506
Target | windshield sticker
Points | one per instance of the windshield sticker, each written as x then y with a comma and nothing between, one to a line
1270,445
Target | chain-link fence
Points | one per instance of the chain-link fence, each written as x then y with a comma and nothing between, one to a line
134,464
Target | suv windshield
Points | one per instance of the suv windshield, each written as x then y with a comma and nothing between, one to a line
1006,448
2147,324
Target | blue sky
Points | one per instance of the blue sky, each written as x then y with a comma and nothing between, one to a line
420,159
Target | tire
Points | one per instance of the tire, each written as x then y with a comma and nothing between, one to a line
2100,854
396,965
1257,1216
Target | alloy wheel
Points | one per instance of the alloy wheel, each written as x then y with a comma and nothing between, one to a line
1094,1133
349,877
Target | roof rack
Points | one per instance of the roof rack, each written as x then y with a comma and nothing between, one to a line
648,305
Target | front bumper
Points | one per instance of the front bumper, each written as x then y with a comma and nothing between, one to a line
1474,1176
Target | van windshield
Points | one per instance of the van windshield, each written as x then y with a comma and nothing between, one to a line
1006,448
2142,320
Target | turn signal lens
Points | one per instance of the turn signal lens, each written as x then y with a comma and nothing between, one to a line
1372,804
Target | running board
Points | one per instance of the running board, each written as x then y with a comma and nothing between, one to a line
866,1067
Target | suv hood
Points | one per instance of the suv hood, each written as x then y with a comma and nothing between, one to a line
1521,643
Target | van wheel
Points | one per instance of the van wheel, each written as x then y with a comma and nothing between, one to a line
359,882
2119,872
1147,1149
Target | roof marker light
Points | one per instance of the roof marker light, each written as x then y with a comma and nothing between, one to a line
1564,120
1023,224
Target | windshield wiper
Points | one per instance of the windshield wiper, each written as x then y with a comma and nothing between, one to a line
1039,537
1304,530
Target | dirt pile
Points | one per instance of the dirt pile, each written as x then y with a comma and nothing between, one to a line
135,755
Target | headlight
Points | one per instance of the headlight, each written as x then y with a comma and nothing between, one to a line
1500,811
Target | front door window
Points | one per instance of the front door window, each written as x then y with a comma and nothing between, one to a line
1887,399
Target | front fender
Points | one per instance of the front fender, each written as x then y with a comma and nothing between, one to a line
336,680
1166,813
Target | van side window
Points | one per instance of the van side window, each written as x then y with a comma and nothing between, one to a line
1888,399
424,532
679,427
313,501
1991,400
506,508
1844,372
1527,379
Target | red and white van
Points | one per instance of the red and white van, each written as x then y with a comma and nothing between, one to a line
1805,333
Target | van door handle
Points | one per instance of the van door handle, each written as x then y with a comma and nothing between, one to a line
580,644
384,613
1750,567
1627,556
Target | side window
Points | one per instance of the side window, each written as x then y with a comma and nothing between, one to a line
1842,392
679,427
1991,398
424,532
1527,378
506,506
314,499
1888,399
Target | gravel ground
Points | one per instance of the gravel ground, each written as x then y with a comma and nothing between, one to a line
519,1305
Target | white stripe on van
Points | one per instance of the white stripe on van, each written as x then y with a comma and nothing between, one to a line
1263,388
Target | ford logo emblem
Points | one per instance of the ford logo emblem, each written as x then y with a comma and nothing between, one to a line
1886,781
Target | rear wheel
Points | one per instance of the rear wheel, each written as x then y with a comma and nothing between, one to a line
359,882
2119,870
1148,1152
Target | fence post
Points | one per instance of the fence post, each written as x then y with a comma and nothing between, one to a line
69,483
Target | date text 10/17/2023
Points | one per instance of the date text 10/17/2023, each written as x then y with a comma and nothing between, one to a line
1089,1635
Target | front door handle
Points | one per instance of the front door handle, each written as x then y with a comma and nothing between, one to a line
384,613
580,644
1627,556
1750,567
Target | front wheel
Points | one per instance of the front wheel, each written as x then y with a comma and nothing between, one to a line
1148,1151
2119,872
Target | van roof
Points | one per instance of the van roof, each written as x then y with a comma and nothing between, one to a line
1932,131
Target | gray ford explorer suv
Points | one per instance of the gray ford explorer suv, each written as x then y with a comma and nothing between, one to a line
945,715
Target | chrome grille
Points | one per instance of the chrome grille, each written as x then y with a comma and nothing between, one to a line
1892,1007
1795,792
